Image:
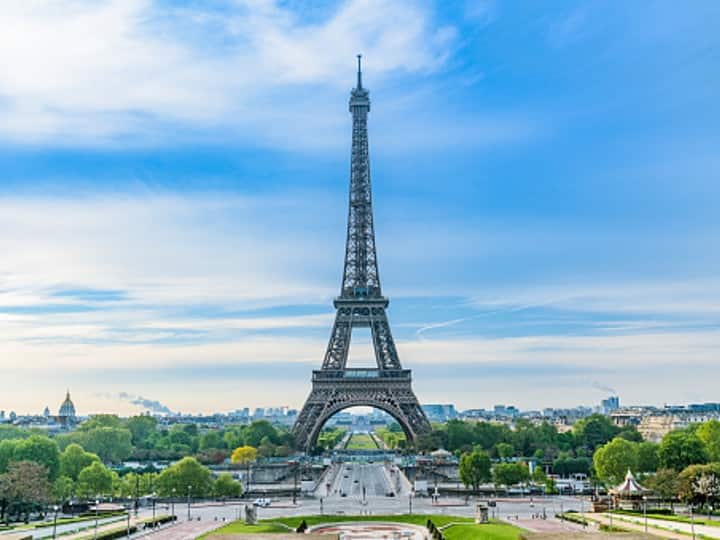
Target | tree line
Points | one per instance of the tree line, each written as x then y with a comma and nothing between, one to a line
684,466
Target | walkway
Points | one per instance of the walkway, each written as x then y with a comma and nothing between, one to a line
186,530
657,527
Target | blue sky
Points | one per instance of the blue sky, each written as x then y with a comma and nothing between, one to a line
173,187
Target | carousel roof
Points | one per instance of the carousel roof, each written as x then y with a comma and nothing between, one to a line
629,486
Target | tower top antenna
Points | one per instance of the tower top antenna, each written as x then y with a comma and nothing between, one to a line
359,82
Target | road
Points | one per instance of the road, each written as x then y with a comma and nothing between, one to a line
362,480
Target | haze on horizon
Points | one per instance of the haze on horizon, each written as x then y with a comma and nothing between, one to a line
173,190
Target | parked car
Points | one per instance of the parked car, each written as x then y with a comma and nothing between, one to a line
262,502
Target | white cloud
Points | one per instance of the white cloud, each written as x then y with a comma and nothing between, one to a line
85,71
699,296
174,250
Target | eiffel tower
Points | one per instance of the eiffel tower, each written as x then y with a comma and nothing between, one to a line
361,304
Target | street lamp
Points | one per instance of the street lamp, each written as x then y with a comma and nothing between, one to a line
137,494
692,521
55,509
295,481
188,500
97,503
129,507
172,503
645,512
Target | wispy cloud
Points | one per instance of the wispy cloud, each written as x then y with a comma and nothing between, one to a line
93,72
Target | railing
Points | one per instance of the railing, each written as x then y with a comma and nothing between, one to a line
361,374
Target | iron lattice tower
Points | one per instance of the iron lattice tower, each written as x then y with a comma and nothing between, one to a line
361,304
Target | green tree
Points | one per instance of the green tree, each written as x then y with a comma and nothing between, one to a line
257,431
565,466
510,474
437,438
538,475
101,421
211,441
665,484
24,488
709,434
63,489
74,459
630,433
186,472
42,450
95,479
7,451
475,469
226,487
594,431
700,484
681,448
141,428
613,460
12,432
459,435
504,450
112,445
647,457
138,485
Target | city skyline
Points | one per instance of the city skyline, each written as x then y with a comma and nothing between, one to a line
175,216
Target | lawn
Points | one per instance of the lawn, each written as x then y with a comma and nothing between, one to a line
464,530
361,441
239,527
489,531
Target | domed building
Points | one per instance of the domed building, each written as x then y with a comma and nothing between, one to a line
67,409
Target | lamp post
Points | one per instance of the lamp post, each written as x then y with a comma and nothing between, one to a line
137,494
97,503
172,504
321,506
692,521
610,508
55,509
645,512
295,481
188,500
153,510
128,520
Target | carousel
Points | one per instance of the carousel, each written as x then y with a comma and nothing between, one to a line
629,495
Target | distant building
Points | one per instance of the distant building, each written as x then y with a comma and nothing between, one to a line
505,411
46,412
67,414
610,404
437,412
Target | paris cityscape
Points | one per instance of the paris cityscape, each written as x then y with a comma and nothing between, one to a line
199,200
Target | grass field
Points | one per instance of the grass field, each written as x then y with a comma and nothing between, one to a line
463,528
361,441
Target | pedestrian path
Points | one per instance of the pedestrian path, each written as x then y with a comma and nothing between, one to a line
186,530
657,527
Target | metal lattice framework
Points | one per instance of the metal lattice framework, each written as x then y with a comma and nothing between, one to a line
360,304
